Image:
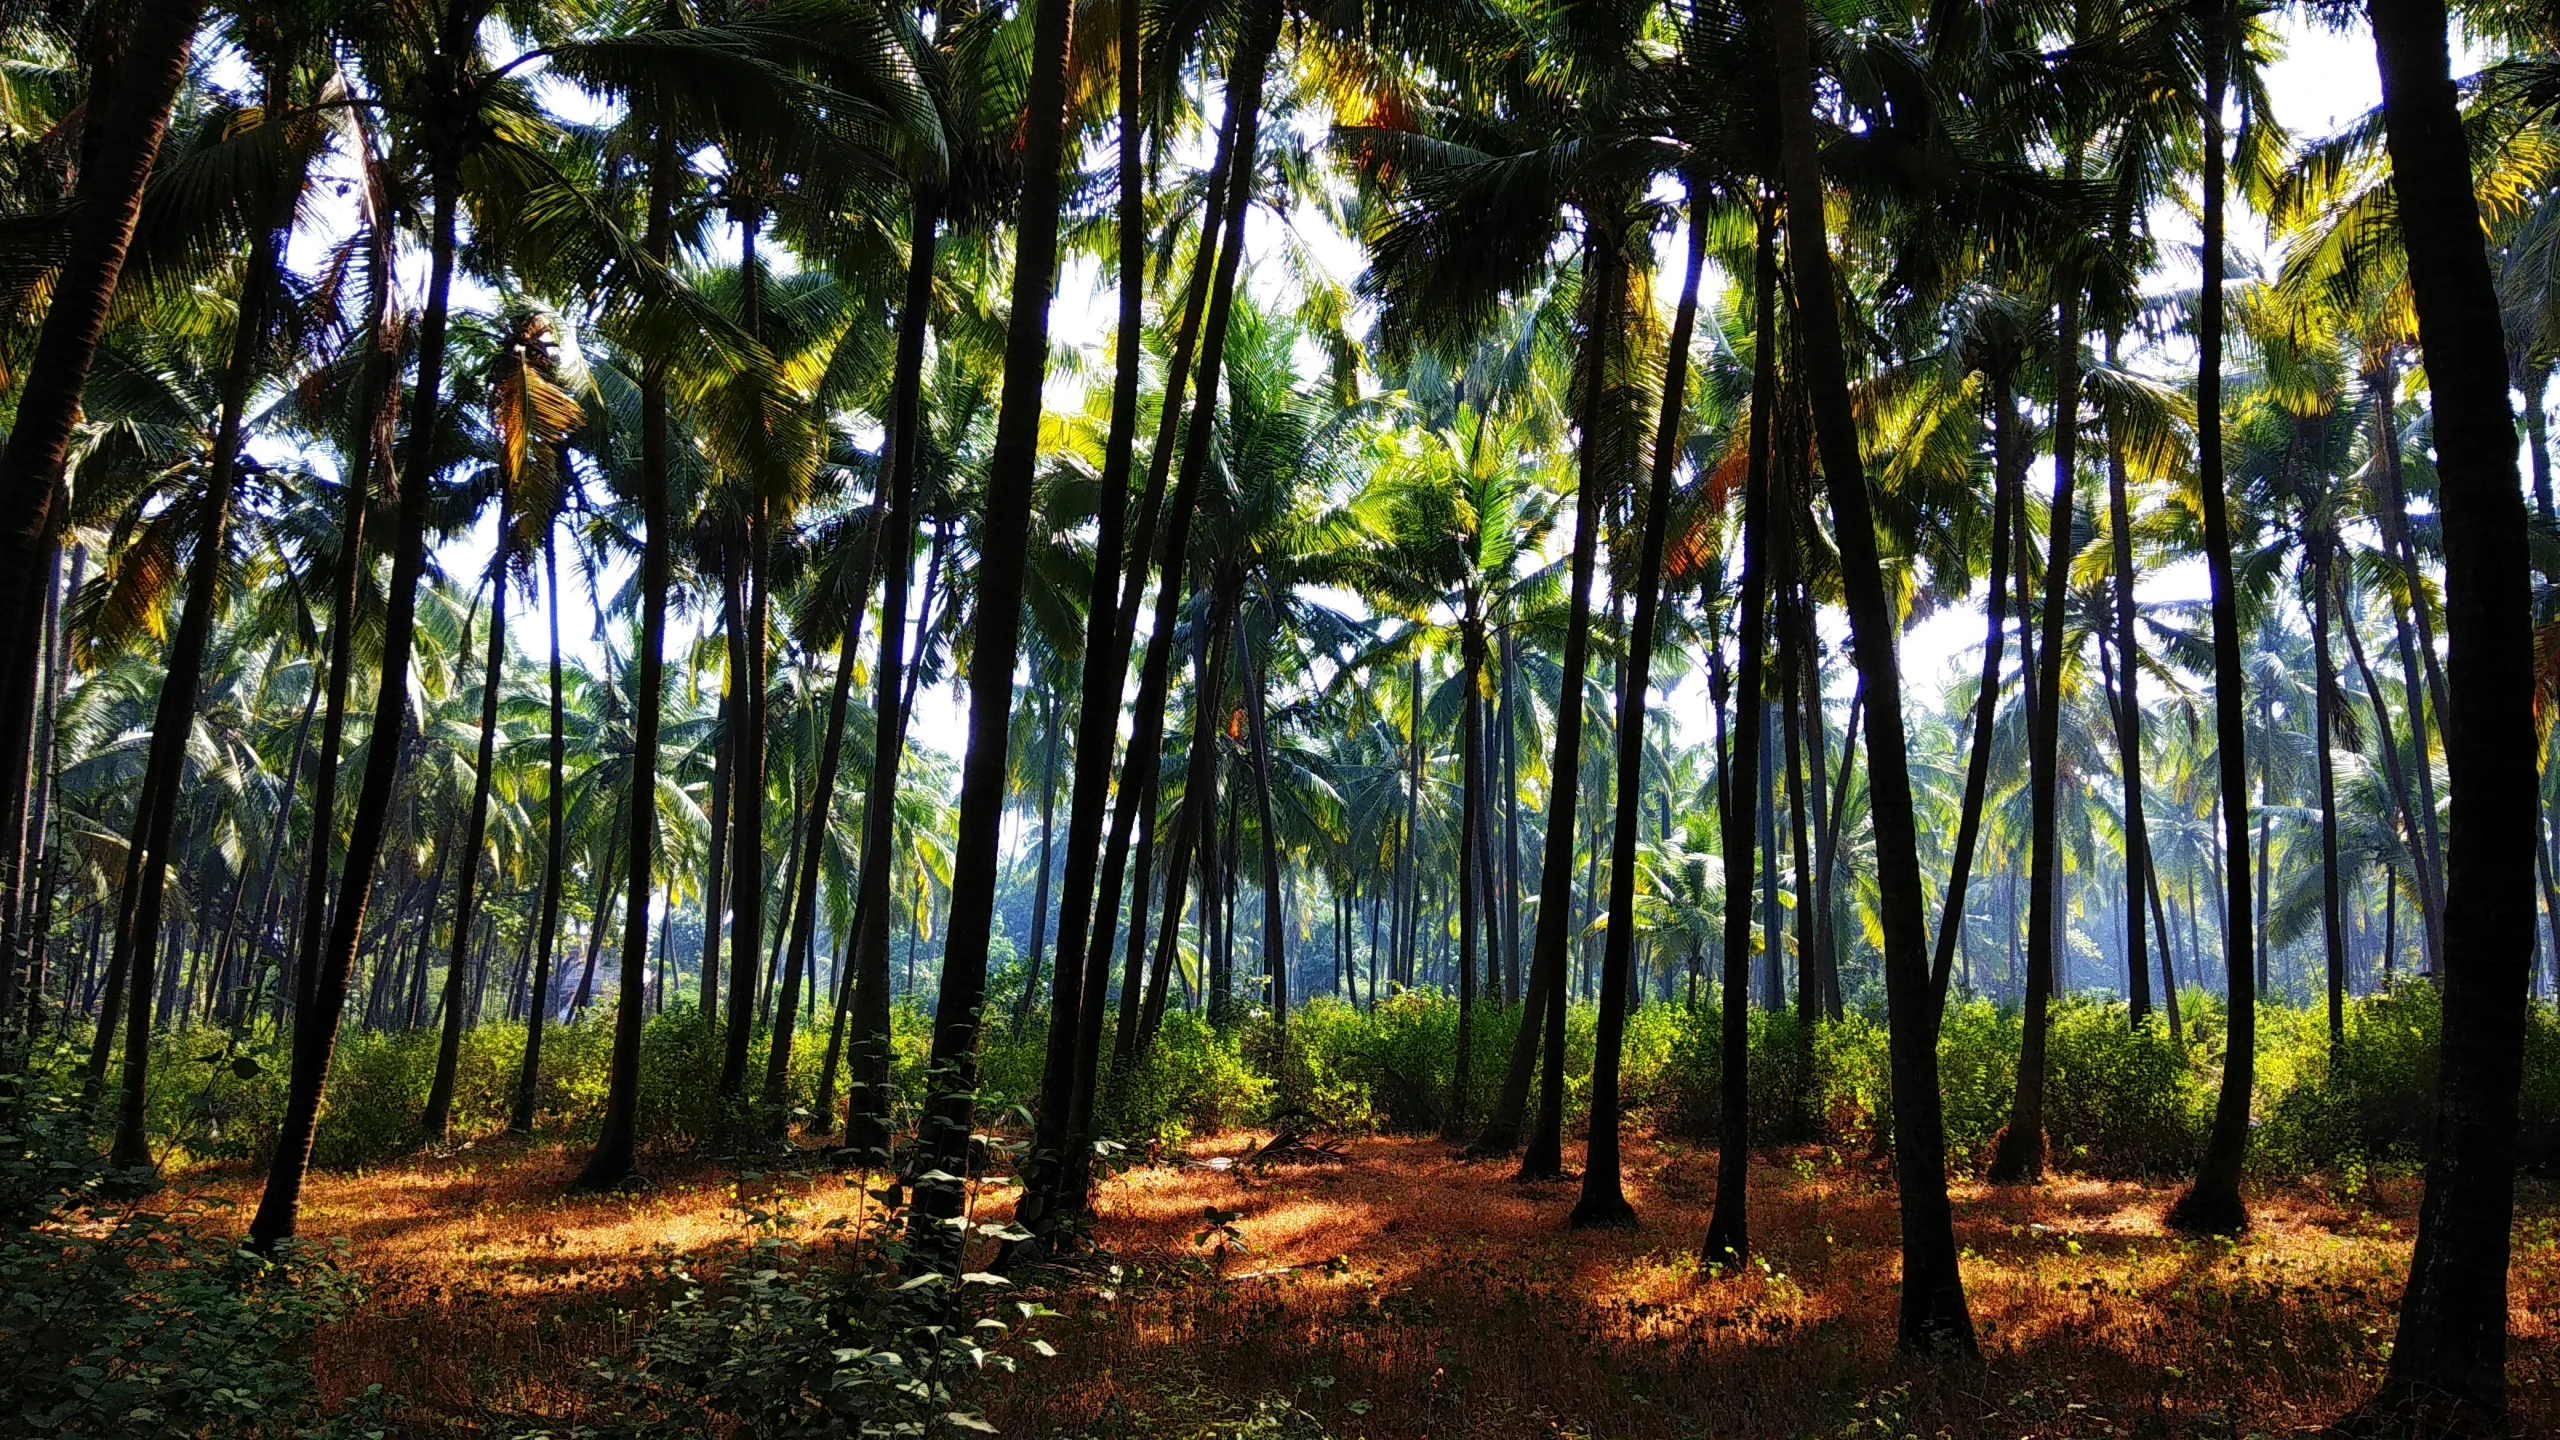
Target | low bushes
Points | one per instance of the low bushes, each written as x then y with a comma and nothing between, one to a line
2120,1101
120,1321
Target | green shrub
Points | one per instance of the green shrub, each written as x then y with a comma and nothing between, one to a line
2120,1100
847,1339
121,1322
2368,1104
1192,1081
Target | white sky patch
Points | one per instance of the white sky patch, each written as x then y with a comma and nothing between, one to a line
2325,79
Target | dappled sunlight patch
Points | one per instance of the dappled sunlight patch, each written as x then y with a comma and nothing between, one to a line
1405,1292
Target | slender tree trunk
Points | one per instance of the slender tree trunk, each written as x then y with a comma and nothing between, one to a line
1275,957
2019,1156
599,919
792,868
1512,980
2324,693
715,902
2213,1204
2168,968
1934,1317
316,1030
867,1084
1604,1200
2128,718
812,845
555,856
115,168
1208,307
822,1111
438,1118
611,1163
2426,844
1080,978
1604,263
1051,724
2448,1363
1986,702
1408,892
747,657
1793,631
1003,541
1729,1225
1195,826
175,719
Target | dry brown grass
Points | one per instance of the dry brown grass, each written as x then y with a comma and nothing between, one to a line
1405,1294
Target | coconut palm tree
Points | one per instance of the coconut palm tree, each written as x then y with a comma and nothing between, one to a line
2448,1363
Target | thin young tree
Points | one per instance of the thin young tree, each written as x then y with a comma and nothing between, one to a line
1604,1200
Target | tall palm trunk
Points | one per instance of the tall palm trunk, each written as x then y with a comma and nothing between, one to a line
1605,281
2426,843
2448,1362
2391,772
715,901
1003,543
611,1162
2324,703
378,405
1133,983
114,171
1050,726
1986,698
747,656
2213,1204
1510,886
1795,631
2019,1157
437,1120
315,1034
1474,874
1209,305
1195,825
38,926
804,903
2128,718
1079,980
555,857
1933,1305
1729,1225
867,1092
139,927
1604,1201
1408,836
1275,960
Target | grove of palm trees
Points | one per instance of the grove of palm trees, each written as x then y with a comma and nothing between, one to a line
1279,718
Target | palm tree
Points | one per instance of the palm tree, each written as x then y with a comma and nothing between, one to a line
1729,1226
1603,1201
2213,1203
1077,981
2447,1370
529,416
1933,1315
316,1028
555,850
1002,546
115,167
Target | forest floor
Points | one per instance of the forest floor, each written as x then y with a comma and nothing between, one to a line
1398,1292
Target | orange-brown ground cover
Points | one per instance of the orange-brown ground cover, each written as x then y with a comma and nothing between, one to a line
1401,1293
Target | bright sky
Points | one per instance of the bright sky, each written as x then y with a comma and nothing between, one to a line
2324,79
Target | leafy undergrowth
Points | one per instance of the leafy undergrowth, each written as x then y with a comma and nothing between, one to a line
1400,1293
